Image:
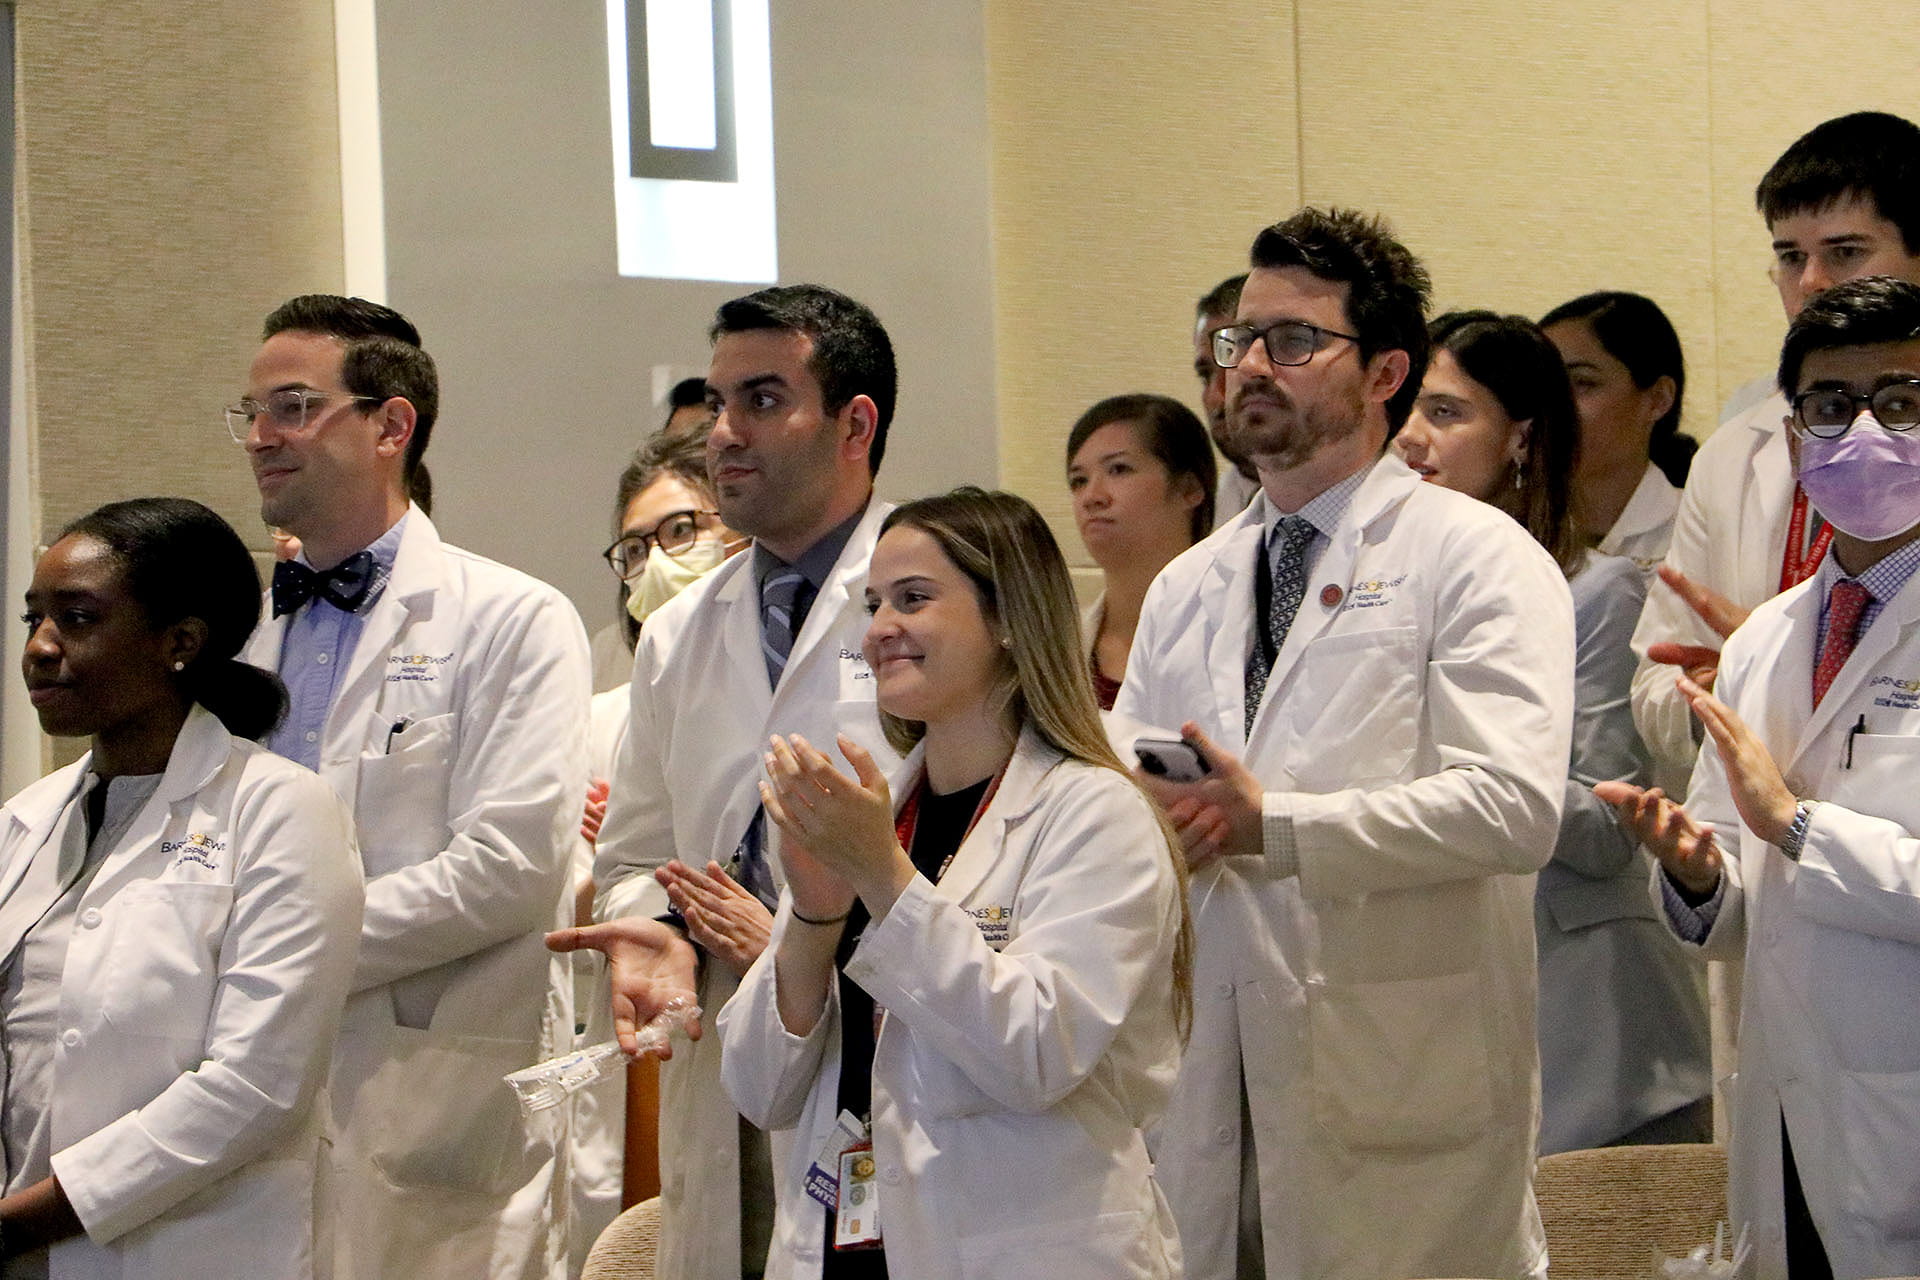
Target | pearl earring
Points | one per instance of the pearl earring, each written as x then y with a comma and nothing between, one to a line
179,666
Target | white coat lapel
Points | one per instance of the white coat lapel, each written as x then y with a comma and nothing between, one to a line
1013,800
736,607
34,831
1764,517
1226,600
818,641
198,752
1387,484
417,574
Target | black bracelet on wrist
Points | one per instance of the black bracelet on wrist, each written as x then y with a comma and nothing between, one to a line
829,920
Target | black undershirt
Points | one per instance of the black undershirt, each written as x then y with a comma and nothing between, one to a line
937,835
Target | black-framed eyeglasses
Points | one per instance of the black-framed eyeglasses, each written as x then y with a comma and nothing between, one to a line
1829,412
286,409
1290,342
675,534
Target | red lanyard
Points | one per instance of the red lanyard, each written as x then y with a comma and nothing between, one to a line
1794,567
909,819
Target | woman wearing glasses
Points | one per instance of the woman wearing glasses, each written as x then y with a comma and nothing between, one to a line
985,965
1623,1024
179,917
669,536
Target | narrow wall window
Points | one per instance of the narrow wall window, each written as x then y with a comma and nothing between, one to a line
692,93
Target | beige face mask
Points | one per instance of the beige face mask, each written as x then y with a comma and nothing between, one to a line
663,576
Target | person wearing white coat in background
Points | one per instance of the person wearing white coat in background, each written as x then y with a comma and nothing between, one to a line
445,698
1838,204
178,916
668,536
1141,474
1798,849
803,381
1629,380
1624,1054
987,966
1363,884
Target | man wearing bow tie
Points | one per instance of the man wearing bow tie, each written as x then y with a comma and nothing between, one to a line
444,696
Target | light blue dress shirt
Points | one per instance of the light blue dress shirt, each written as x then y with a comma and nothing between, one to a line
319,642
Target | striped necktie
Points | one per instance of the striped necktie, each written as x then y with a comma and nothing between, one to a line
1287,556
779,600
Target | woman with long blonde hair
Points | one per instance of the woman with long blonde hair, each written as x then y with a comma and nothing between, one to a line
979,976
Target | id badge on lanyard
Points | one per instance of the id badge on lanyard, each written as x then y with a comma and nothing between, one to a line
842,1179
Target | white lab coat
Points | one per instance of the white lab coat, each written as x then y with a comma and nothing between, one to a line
1028,1038
598,1139
1416,726
208,964
1830,1023
1730,534
686,787
466,820
1644,529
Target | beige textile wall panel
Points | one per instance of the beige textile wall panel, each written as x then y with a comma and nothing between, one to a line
1527,153
500,244
1137,148
1767,91
179,166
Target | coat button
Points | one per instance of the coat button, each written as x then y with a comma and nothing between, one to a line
90,918
70,1038
891,1175
1224,1135
1224,990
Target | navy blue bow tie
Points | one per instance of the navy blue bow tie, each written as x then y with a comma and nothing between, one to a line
344,586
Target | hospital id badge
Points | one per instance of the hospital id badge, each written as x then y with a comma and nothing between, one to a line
856,1222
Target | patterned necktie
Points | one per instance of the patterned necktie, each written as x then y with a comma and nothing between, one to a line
779,599
1287,554
344,586
1845,604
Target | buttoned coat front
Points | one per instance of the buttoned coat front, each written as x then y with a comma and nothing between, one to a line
685,786
1830,1021
457,735
1416,727
1028,1038
205,975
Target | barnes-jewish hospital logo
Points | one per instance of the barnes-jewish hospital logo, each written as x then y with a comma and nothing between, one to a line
415,666
196,848
1891,691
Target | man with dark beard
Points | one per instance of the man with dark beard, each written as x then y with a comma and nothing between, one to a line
1393,663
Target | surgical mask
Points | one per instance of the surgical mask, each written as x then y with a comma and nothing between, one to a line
663,576
1867,483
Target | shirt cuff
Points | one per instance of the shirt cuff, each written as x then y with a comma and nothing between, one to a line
1276,833
1693,924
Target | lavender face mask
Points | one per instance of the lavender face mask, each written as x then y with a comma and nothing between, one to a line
1866,483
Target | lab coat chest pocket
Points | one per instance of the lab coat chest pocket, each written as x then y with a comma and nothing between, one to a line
1361,691
1877,781
162,947
401,795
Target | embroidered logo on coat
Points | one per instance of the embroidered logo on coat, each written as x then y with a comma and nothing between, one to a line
1373,593
415,666
1891,691
995,923
197,848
